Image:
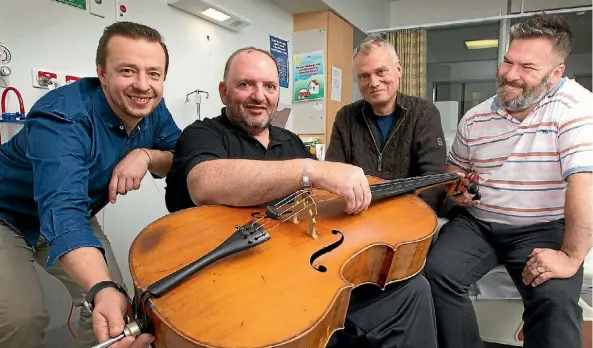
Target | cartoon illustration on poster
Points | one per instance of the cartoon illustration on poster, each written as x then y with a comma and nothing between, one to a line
309,76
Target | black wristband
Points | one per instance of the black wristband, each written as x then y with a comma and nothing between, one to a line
89,301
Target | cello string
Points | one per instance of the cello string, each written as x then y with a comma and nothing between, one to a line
390,187
294,194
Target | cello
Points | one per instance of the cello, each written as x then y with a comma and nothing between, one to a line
281,275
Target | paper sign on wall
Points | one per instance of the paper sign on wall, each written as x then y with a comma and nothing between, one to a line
279,49
81,4
336,93
309,76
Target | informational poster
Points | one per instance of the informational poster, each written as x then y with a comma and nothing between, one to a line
336,94
81,4
279,49
309,76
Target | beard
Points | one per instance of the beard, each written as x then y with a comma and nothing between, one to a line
529,96
252,124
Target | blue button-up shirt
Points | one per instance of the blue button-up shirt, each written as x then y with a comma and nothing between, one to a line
55,173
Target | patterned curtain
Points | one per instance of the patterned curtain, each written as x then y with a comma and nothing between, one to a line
410,46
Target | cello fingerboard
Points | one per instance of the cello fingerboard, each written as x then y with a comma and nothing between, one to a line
407,185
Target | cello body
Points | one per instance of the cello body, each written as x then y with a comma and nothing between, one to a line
291,291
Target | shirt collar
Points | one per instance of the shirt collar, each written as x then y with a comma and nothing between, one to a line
399,107
105,111
109,116
496,102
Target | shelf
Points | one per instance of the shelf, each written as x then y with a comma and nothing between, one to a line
13,121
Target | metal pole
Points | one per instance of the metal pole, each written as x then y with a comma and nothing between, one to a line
504,33
480,20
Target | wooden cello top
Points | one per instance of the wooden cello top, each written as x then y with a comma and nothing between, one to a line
272,293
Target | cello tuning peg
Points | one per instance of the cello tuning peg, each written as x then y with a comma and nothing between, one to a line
473,189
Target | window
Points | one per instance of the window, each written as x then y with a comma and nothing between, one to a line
460,77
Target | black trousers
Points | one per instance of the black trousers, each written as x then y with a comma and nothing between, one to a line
467,248
401,316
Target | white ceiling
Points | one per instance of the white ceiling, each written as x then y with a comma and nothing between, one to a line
302,6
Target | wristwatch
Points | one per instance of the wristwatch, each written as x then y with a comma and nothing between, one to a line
89,300
306,180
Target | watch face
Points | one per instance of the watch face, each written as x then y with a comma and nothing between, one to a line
5,55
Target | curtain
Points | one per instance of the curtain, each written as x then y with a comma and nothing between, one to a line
410,46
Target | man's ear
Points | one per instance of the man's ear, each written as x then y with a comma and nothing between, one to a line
558,72
398,67
101,74
222,91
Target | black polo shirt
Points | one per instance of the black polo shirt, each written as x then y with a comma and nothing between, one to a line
217,138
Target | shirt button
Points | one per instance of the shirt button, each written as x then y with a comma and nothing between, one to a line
121,127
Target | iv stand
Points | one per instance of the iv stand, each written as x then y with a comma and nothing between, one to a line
198,100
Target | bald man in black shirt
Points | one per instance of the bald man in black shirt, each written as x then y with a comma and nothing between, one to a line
240,159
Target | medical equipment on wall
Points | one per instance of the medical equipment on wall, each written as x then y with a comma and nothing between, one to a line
5,71
11,122
198,100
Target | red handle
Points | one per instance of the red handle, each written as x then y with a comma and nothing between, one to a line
18,94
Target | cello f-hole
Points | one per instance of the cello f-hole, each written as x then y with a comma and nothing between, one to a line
325,250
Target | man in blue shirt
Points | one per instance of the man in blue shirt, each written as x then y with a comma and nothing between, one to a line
81,146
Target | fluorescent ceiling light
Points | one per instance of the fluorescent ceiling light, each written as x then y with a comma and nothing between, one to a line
214,14
480,44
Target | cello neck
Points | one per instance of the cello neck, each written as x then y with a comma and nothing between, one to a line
415,184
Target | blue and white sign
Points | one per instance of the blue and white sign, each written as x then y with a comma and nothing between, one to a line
279,49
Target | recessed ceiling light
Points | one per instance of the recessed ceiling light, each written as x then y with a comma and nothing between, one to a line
215,14
480,44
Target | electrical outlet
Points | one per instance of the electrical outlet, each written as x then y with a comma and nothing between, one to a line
68,79
41,78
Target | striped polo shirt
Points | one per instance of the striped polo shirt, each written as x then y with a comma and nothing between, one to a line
523,166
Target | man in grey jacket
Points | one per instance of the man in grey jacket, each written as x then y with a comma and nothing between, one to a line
391,136
388,134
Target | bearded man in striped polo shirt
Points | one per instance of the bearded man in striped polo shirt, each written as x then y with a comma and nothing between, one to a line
530,147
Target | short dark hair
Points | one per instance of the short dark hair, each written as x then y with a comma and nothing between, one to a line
551,27
247,50
132,31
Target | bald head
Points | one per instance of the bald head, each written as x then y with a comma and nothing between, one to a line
247,50
250,89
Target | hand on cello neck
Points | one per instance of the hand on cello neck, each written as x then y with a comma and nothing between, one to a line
466,191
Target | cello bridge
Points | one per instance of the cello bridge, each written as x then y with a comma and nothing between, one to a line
304,202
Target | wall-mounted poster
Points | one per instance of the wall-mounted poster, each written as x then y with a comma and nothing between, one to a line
309,76
279,49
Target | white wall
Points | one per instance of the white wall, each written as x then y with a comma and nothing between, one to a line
414,12
365,15
49,35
